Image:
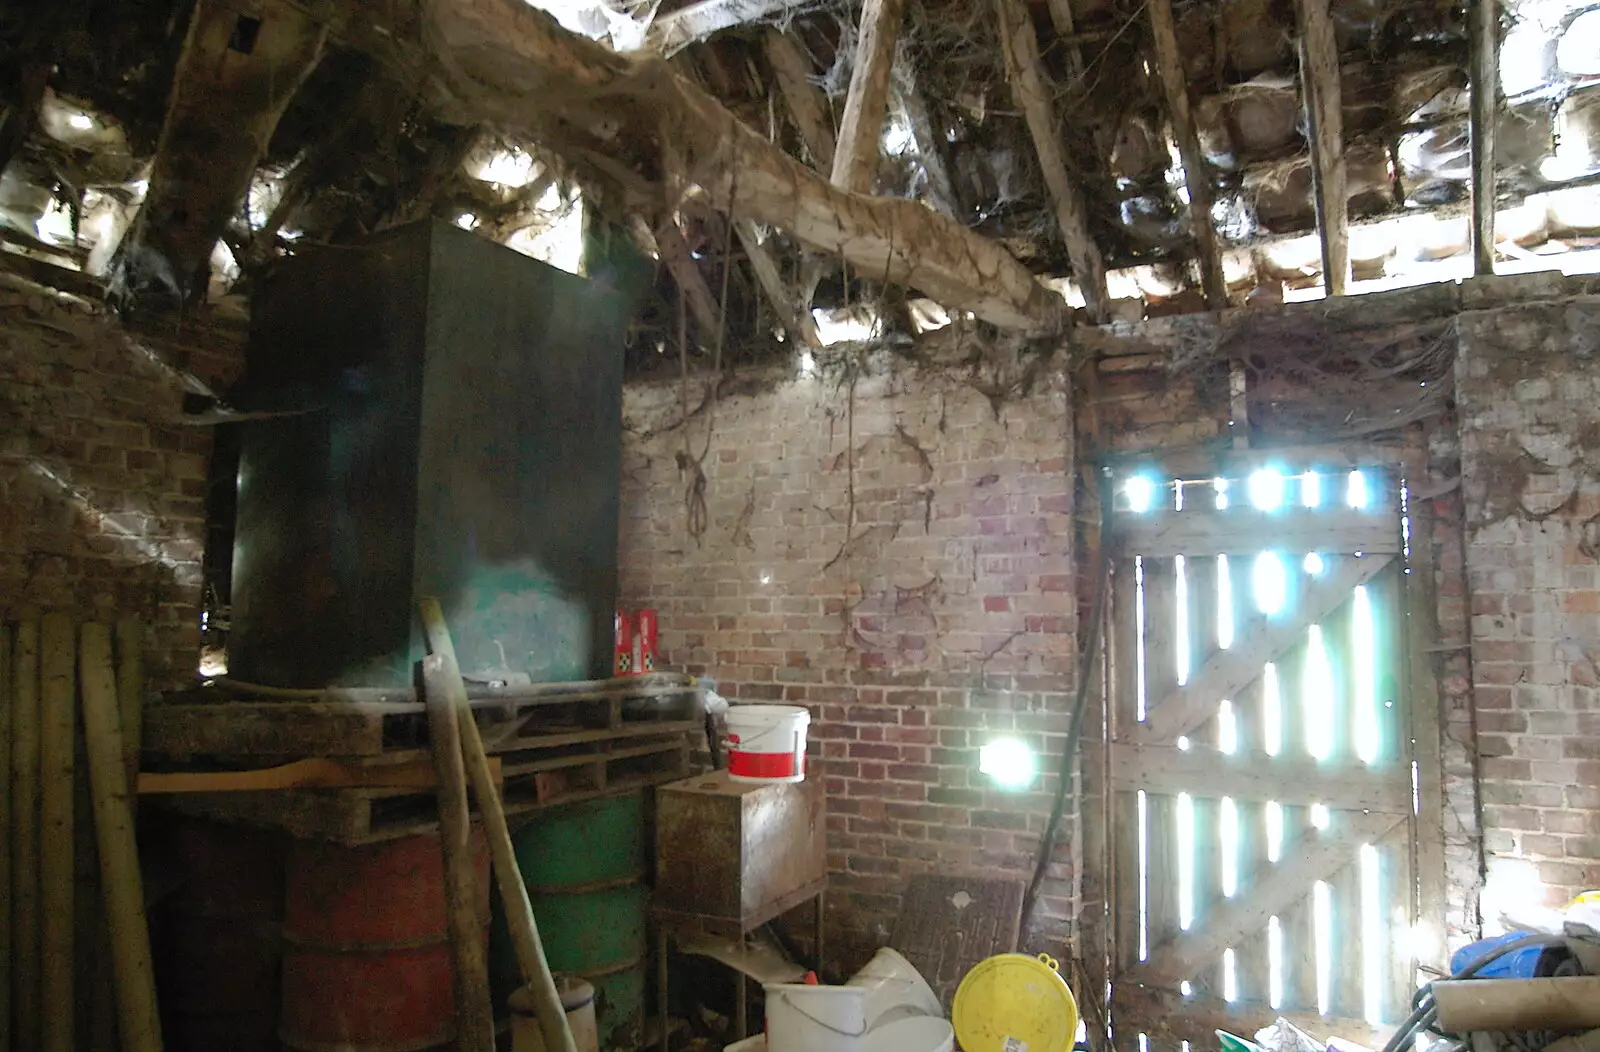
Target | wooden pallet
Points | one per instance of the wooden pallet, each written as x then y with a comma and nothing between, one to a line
533,780
348,723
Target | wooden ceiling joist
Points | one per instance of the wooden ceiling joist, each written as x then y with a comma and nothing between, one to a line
238,70
1319,80
1175,89
930,152
795,319
675,255
791,68
855,164
506,62
1485,82
1029,88
671,33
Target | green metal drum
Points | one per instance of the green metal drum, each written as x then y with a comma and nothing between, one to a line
584,866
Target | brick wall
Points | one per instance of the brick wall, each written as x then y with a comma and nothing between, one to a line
1529,379
102,494
895,553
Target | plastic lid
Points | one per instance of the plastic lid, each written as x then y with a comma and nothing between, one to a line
1015,1003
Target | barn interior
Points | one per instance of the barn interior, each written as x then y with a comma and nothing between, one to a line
800,525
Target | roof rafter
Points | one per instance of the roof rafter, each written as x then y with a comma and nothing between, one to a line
1319,77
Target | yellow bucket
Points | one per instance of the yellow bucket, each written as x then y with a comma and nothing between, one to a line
1015,1003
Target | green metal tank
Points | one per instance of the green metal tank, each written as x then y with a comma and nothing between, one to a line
584,865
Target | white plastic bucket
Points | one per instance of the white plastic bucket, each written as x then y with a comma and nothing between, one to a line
802,1018
767,743
923,1034
892,983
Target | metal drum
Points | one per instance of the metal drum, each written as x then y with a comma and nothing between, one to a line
584,866
367,957
215,932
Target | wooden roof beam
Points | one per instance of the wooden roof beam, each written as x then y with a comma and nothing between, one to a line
1175,88
855,165
1319,82
1485,81
930,143
671,33
791,68
504,61
1029,88
796,320
235,77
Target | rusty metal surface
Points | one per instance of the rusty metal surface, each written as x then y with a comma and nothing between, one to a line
736,851
948,924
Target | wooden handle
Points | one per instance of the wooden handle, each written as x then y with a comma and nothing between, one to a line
508,876
120,881
58,652
474,1012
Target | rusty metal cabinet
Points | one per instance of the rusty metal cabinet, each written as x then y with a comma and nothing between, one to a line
731,856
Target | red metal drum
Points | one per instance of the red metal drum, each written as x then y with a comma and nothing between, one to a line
367,956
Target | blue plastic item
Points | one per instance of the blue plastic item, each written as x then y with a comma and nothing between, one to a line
1530,962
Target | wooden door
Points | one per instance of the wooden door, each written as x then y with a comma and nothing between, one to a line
1261,816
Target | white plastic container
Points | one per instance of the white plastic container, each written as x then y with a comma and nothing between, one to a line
802,1018
923,1034
895,987
767,743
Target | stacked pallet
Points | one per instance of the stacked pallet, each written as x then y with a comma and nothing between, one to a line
70,699
351,764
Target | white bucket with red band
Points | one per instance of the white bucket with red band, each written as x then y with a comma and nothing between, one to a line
767,743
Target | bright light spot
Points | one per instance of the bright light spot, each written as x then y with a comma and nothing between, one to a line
1186,988
1357,493
856,325
1372,946
1144,875
1271,711
1230,976
55,224
1364,671
1177,494
1270,582
1224,604
1275,961
1186,838
1184,743
1009,762
81,121
1512,887
1221,486
1266,489
766,576
1138,645
1313,564
1227,728
1317,696
1229,823
1274,817
1181,651
1322,926
510,168
897,137
1141,493
1311,489
808,363
1320,816
467,221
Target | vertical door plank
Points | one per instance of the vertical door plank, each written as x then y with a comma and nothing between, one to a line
58,653
25,836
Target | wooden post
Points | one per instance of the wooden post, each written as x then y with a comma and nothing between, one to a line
1028,87
474,1012
1319,85
1485,80
130,691
796,321
1175,86
513,892
855,163
57,694
120,881
25,835
6,704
